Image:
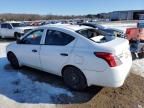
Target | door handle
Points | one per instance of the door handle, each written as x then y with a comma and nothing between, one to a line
34,50
64,54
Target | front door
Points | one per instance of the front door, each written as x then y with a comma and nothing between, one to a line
29,49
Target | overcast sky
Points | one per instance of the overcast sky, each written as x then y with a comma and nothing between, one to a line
68,7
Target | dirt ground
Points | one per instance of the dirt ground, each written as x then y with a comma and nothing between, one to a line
131,95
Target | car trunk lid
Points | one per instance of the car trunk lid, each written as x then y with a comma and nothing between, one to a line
119,47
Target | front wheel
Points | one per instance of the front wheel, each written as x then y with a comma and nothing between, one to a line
13,60
17,35
74,78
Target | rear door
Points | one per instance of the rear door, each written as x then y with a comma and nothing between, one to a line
56,51
9,30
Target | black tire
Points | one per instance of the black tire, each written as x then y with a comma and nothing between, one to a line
141,55
1,37
133,56
17,35
13,60
74,78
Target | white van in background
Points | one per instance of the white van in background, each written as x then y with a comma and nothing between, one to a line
13,29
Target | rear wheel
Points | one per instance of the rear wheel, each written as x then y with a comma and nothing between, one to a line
141,55
74,78
1,37
13,60
133,55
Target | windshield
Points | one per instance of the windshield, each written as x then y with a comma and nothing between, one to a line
109,31
100,26
95,25
140,25
17,25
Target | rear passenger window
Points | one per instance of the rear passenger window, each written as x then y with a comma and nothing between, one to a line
58,38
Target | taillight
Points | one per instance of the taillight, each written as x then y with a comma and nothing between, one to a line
111,59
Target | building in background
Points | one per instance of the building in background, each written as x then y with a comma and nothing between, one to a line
127,15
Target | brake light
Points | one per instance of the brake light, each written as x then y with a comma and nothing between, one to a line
112,60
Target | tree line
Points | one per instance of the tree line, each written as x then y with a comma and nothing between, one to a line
31,17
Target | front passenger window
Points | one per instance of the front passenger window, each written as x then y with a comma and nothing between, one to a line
33,38
3,26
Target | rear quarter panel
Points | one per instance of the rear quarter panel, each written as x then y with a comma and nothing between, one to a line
83,57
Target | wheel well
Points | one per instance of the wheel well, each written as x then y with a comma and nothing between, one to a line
10,52
15,34
66,67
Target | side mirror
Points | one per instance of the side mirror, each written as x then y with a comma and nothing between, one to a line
18,41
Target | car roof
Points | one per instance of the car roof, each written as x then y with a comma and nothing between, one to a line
68,26
12,22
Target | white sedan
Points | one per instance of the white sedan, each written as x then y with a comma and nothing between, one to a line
80,54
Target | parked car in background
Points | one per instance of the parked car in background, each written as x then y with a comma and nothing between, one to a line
13,29
136,39
77,53
111,31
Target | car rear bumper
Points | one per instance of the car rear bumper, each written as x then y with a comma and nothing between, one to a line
112,77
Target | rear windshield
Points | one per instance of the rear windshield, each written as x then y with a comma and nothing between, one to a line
89,33
95,35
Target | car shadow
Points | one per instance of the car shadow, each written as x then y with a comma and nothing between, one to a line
28,85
